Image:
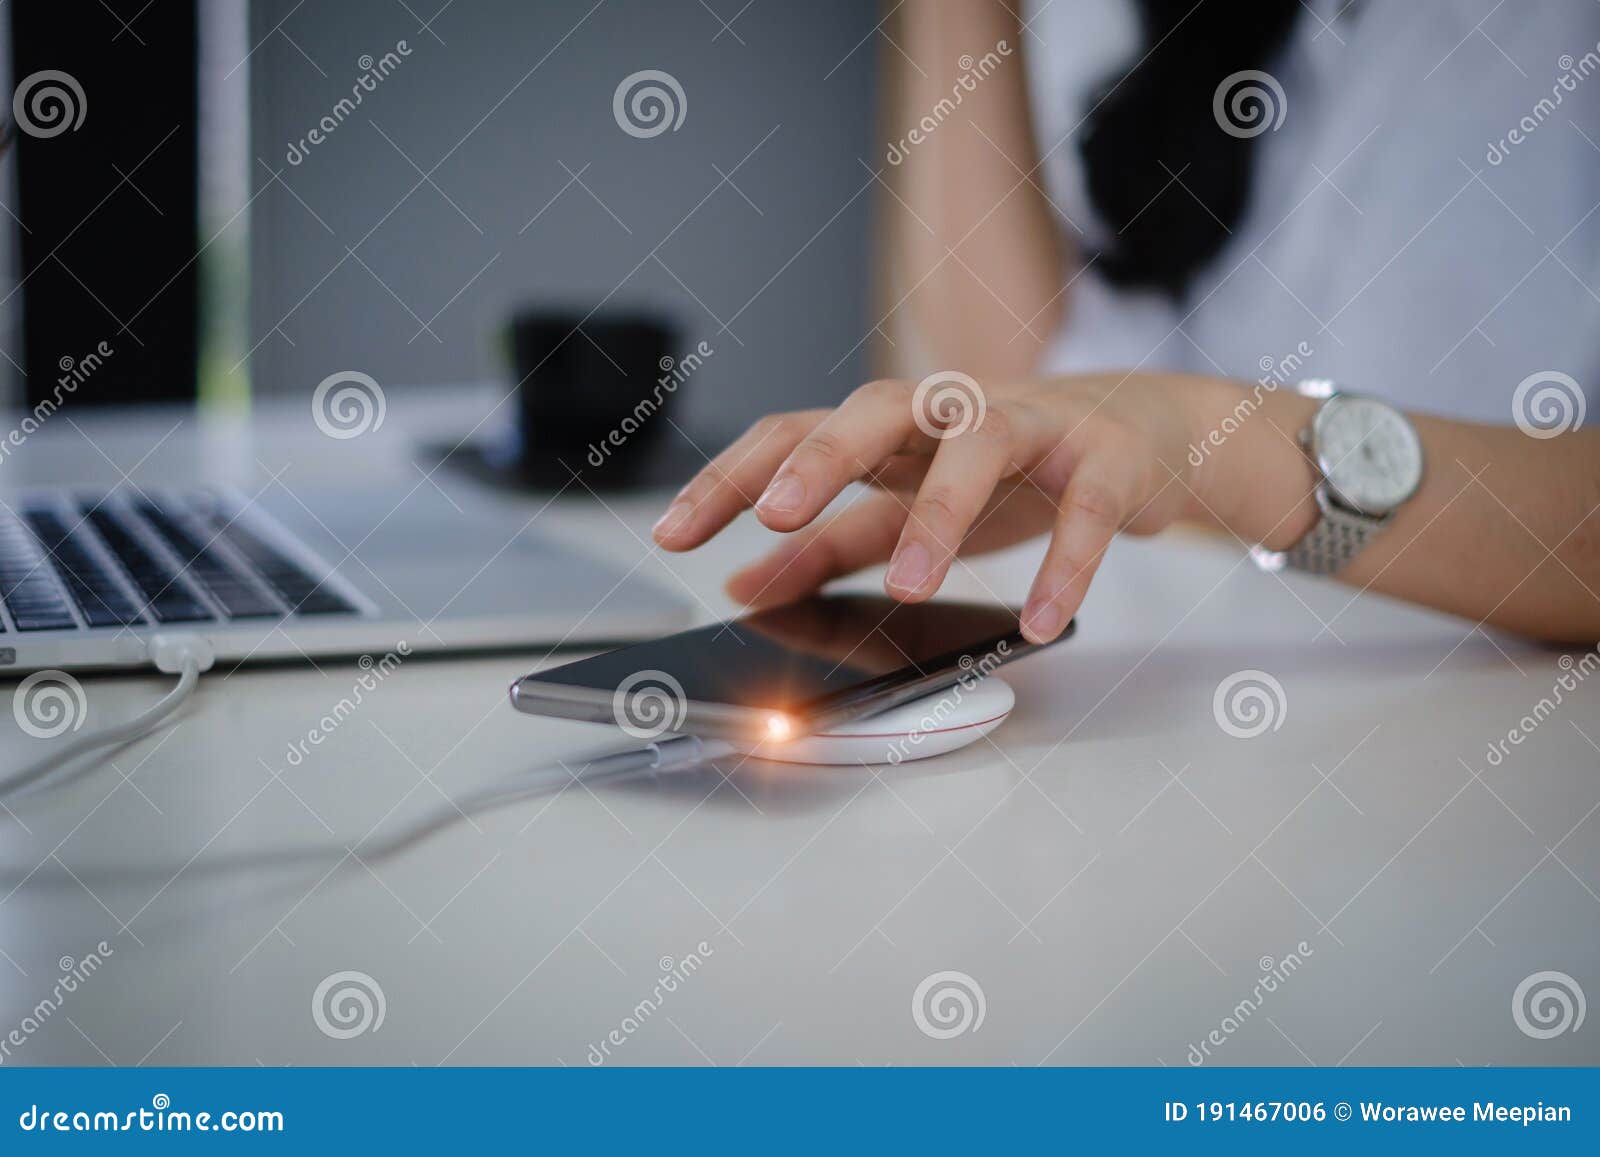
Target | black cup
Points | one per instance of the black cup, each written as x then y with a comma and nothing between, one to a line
592,395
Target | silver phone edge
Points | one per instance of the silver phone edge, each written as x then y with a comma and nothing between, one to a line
533,696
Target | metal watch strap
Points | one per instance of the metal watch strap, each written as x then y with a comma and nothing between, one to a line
1336,538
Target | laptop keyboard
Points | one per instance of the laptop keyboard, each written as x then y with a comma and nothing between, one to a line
292,584
238,598
27,585
110,562
100,599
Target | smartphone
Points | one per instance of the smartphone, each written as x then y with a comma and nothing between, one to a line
782,672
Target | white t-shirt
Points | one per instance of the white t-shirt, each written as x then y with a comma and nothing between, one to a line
1425,218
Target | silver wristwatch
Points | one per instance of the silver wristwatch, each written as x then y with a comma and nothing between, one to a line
1369,461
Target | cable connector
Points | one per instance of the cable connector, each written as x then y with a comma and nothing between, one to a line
170,652
684,751
182,654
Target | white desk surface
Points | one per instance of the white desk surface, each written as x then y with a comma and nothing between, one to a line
1113,871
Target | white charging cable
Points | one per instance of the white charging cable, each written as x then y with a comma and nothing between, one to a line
663,757
185,656
681,753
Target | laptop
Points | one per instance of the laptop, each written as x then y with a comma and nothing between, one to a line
88,577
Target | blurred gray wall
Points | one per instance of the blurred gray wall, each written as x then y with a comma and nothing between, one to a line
501,104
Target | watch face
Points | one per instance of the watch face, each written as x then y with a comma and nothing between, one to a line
1369,453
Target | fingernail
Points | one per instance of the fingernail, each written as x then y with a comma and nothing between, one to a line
674,520
910,568
1043,620
785,494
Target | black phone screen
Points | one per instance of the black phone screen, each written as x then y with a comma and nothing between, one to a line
815,655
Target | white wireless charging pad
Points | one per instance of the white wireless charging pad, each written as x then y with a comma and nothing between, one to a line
942,721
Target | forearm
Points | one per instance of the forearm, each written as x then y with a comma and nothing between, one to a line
976,253
1504,530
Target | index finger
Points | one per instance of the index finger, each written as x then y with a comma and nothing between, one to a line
729,482
875,422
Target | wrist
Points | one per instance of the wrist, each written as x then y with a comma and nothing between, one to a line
1250,474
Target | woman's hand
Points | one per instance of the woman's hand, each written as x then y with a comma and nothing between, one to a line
966,469
1505,529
